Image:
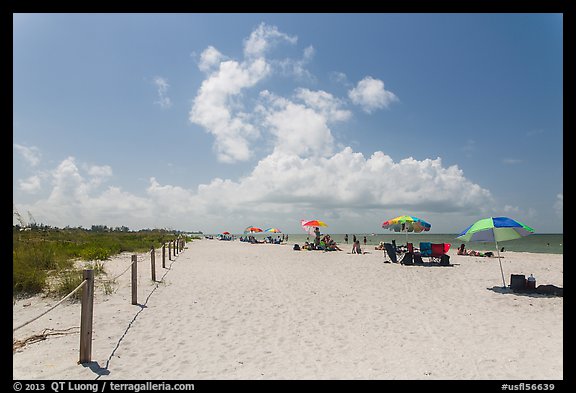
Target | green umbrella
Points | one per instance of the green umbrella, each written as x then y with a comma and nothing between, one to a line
495,229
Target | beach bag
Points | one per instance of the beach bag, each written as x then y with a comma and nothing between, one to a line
296,247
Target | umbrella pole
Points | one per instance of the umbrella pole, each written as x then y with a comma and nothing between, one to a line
500,262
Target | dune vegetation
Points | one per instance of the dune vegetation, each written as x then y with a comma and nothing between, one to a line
45,259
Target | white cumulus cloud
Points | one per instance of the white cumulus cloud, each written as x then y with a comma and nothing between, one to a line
213,109
370,94
210,59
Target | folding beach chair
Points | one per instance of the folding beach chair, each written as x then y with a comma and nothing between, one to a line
425,249
391,252
438,253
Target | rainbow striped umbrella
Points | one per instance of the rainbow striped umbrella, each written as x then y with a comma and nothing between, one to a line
273,230
407,224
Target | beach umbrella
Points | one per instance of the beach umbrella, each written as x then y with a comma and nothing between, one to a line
252,230
406,224
309,225
273,230
495,229
226,233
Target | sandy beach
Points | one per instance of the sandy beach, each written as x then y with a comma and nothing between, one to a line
233,310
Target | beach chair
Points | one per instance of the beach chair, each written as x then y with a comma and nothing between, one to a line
391,252
407,259
425,249
439,251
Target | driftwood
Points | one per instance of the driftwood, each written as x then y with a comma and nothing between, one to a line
17,344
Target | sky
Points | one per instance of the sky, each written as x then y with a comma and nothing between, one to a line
217,122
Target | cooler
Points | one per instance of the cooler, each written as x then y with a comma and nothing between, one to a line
517,281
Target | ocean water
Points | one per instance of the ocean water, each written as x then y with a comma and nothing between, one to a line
537,243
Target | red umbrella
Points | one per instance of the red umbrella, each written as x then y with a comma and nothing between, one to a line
252,230
309,225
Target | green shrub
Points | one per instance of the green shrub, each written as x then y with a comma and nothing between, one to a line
95,254
67,281
27,280
46,254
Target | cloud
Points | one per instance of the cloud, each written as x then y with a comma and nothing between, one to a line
76,199
284,186
348,180
162,88
297,67
370,94
220,104
210,59
324,103
30,185
213,109
298,129
339,78
300,125
30,154
263,38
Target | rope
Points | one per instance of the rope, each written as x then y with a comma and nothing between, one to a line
70,294
114,279
118,276
53,307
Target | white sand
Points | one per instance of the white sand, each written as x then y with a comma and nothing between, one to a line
232,310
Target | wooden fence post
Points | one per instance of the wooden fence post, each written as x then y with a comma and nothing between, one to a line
164,255
86,316
170,250
176,247
153,263
134,279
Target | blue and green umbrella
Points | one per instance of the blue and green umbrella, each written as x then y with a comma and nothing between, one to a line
495,229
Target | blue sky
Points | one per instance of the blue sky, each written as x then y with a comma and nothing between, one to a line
217,122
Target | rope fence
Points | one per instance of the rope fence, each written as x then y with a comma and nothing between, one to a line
87,303
51,308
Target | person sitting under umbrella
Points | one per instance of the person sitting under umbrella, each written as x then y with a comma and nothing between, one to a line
462,249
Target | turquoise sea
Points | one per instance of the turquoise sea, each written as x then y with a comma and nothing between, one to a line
537,243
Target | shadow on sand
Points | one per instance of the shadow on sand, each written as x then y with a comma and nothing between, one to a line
540,291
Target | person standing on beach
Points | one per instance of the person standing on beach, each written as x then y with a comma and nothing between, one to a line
346,238
354,249
317,239
354,239
364,241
